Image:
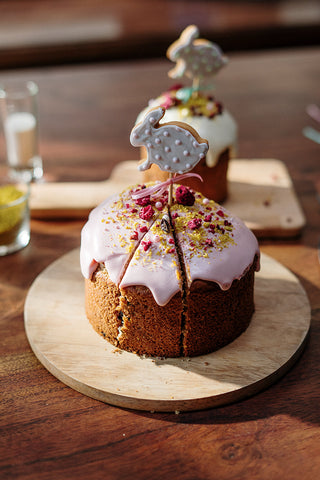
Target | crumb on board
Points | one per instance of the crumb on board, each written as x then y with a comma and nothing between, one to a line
116,350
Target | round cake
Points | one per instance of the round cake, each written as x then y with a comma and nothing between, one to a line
212,122
167,281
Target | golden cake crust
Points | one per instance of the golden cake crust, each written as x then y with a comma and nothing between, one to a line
206,320
167,281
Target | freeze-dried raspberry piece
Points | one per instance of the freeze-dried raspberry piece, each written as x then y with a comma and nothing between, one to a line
146,245
184,196
143,201
195,223
146,213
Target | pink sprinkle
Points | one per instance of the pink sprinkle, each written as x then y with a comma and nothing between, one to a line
171,241
146,245
146,213
134,235
208,218
133,210
171,250
220,213
184,196
143,201
143,229
195,223
209,242
175,215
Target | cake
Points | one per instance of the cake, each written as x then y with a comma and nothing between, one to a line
214,123
167,279
199,60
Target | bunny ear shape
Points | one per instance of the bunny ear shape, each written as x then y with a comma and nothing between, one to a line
154,116
186,39
189,34
143,130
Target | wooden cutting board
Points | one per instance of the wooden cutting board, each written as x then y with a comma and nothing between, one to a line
260,192
66,344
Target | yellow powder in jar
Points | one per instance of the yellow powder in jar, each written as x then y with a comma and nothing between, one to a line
10,215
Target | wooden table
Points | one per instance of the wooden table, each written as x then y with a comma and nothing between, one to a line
48,430
46,32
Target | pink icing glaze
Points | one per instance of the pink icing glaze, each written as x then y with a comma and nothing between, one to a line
216,246
220,254
111,235
156,266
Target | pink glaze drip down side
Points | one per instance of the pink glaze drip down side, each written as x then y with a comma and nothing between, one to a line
215,245
111,236
155,264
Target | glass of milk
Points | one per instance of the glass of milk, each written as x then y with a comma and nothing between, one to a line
19,110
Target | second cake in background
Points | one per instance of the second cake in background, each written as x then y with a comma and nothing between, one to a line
198,108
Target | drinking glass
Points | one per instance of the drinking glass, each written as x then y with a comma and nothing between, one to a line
19,112
14,215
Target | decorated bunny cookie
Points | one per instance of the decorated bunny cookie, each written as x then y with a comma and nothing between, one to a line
195,58
175,146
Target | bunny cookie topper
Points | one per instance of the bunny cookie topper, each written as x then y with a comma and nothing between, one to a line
174,146
196,58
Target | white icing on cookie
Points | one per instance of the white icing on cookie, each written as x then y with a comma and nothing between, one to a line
195,58
221,131
175,147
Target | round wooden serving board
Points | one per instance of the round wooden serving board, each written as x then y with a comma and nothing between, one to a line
65,343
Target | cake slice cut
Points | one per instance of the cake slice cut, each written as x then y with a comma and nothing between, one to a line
109,239
151,294
219,256
168,281
113,232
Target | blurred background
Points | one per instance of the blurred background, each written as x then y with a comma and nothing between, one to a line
57,32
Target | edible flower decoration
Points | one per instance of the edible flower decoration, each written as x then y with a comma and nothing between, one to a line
187,103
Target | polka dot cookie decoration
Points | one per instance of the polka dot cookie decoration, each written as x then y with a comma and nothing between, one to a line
196,58
175,147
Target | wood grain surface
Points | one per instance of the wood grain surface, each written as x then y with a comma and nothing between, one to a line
260,192
101,30
66,344
50,431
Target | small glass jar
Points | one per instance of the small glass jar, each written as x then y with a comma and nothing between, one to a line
14,215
